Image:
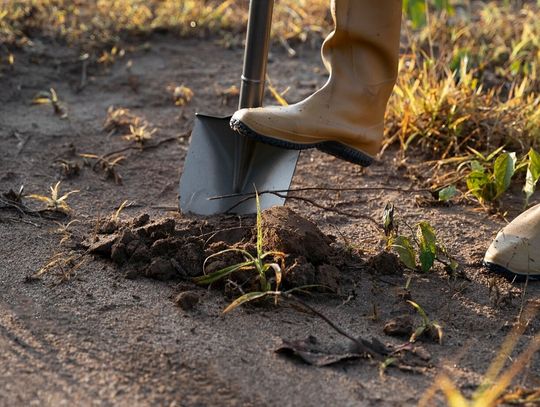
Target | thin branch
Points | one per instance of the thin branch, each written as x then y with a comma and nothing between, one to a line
23,209
363,347
307,189
145,147
7,204
301,198
328,208
22,220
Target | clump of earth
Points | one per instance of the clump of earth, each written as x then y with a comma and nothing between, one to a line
175,248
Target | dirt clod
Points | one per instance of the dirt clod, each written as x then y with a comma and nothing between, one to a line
300,273
108,226
151,249
385,263
187,300
402,325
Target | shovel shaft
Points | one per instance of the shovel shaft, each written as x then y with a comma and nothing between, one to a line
256,53
253,78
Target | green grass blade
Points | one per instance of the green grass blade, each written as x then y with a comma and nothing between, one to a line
259,226
244,252
494,153
421,311
219,274
533,174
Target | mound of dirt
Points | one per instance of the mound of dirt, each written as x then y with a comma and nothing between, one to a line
285,231
175,248
309,255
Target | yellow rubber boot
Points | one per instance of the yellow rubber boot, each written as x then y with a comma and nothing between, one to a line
345,117
515,252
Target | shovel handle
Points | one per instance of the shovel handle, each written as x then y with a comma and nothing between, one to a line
253,78
256,53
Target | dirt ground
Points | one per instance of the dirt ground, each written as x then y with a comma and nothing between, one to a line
100,338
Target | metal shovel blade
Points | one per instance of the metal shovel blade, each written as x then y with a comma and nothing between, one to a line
209,171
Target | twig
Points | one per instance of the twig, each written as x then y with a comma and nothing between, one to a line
24,210
362,346
215,233
22,220
8,204
328,208
20,207
165,208
301,198
307,189
22,142
147,147
84,73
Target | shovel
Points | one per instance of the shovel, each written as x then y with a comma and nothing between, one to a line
220,162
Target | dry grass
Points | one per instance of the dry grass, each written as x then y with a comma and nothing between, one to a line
98,22
470,81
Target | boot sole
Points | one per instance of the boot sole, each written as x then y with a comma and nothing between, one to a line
509,275
334,148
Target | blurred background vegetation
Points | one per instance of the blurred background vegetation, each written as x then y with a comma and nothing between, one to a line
469,79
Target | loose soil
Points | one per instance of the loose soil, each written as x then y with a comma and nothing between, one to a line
121,323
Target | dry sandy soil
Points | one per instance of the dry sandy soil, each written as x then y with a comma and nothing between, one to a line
101,338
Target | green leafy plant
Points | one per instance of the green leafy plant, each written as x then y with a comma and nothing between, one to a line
416,10
420,248
491,177
533,174
447,193
428,327
257,263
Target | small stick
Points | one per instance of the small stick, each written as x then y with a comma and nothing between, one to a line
84,75
327,208
20,207
22,220
147,147
22,142
362,347
300,198
330,189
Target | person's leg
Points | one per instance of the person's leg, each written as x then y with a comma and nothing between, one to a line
345,117
515,252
